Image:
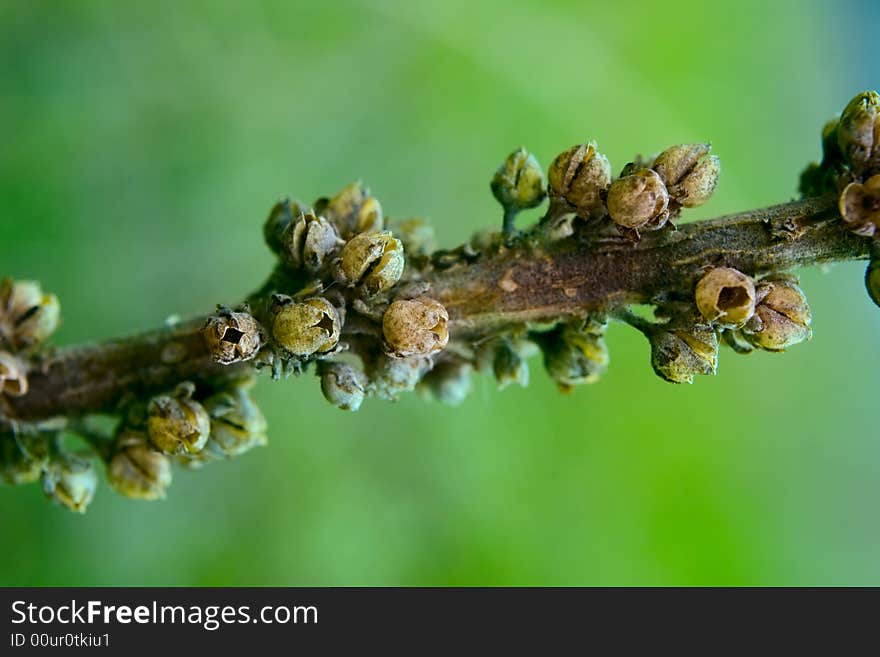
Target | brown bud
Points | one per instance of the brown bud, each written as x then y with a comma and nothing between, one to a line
13,375
232,337
688,173
308,242
782,316
306,328
579,176
415,327
373,260
860,206
638,201
354,211
858,133
27,315
281,216
177,423
725,295
137,471
679,354
872,281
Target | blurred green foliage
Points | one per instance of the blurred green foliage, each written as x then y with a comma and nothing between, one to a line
144,143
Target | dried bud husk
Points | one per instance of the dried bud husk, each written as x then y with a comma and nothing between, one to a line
725,295
858,133
372,260
136,470
449,382
343,385
416,235
232,337
782,316
679,354
354,211
872,281
689,173
860,206
518,184
70,481
13,375
27,315
22,458
177,423
575,355
306,328
237,424
579,176
281,216
415,327
638,201
389,377
309,242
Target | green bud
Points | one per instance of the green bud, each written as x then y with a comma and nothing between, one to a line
508,364
782,316
372,260
27,315
13,375
343,385
232,337
872,281
22,458
679,354
237,424
518,184
579,176
415,327
858,133
177,423
70,481
281,216
308,242
575,355
137,471
416,235
726,296
638,201
354,211
449,382
859,205
390,377
306,328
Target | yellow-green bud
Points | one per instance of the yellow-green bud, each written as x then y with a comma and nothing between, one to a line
372,260
70,481
354,211
177,423
860,206
726,296
416,235
390,376
137,471
579,176
27,315
872,281
782,316
677,355
449,382
415,327
343,385
308,242
13,375
237,424
306,328
858,133
232,337
22,458
638,201
518,184
575,356
281,216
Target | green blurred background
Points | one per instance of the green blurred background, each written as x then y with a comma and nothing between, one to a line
144,143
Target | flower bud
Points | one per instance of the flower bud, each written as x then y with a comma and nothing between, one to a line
232,337
679,354
137,471
415,327
390,377
373,260
638,201
858,133
860,206
354,211
416,235
449,382
27,316
782,316
579,176
306,328
690,176
725,295
237,424
575,356
508,364
177,423
281,216
872,281
13,375
22,458
343,385
70,481
519,182
308,242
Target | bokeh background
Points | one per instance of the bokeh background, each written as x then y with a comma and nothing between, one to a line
143,144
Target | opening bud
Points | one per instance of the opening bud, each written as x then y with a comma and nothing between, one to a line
137,471
858,133
237,424
415,327
308,242
232,337
579,176
678,355
177,423
280,217
575,355
372,260
518,184
27,315
689,173
354,211
306,328
725,295
782,316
